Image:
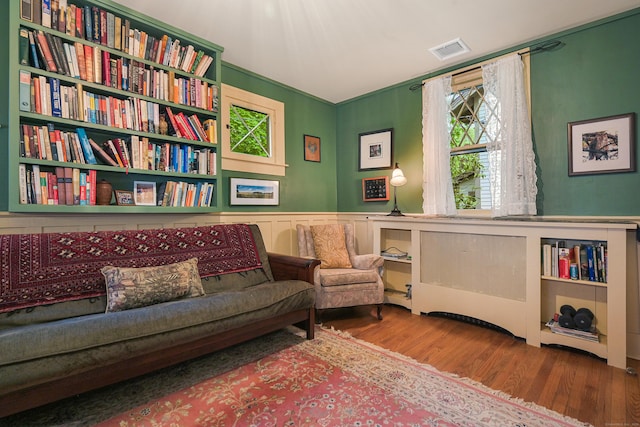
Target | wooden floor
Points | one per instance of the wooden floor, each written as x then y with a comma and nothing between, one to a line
569,382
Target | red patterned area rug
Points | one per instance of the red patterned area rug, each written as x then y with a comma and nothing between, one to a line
336,380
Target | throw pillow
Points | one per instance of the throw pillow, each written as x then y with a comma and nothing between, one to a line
129,287
330,247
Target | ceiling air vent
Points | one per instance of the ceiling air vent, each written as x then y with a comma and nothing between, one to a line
450,49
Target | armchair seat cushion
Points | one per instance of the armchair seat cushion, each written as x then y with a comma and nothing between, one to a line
347,276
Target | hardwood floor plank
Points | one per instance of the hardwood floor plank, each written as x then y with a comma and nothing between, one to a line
569,382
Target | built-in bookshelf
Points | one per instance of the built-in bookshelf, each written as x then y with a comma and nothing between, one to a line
98,92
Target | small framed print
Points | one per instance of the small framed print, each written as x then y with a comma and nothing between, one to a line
125,198
375,149
26,10
311,148
375,189
604,145
245,191
144,193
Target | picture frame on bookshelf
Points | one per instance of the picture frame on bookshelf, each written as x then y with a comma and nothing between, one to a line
602,145
375,149
144,193
311,148
375,189
26,10
244,191
125,198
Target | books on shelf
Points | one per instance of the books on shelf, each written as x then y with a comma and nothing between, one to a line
591,335
100,26
589,260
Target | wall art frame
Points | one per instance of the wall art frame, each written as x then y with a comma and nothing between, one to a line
375,189
311,148
124,198
602,145
245,191
144,193
375,150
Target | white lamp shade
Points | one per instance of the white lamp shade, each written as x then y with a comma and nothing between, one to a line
397,178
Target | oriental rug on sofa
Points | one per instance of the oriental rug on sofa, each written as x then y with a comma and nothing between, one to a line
336,380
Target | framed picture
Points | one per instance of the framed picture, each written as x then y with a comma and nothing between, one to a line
604,145
254,192
144,193
125,198
311,148
375,189
375,149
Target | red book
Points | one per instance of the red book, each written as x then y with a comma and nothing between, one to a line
91,185
174,124
82,62
52,182
88,58
41,41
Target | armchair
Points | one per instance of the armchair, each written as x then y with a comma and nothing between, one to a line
344,278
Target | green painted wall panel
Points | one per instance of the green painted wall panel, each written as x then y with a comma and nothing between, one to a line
307,186
595,74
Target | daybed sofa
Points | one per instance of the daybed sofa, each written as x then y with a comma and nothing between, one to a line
64,331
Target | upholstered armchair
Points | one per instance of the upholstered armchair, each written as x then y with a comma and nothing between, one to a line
344,278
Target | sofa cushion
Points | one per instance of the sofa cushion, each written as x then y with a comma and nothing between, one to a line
129,287
96,330
329,245
347,276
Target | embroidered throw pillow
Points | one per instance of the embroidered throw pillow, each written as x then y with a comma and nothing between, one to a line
330,247
138,287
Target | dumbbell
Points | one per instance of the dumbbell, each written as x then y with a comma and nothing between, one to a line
567,315
583,319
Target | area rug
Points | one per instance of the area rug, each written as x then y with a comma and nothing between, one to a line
336,380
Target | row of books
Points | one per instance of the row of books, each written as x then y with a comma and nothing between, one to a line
47,96
184,194
71,186
63,186
48,143
103,27
591,335
90,63
140,153
588,260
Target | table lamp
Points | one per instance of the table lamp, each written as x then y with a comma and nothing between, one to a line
397,180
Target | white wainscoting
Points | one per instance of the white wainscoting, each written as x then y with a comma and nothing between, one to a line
278,229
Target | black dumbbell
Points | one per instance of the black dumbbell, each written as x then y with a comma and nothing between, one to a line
583,319
566,319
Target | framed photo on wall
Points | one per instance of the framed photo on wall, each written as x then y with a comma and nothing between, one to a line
246,191
311,148
604,145
375,149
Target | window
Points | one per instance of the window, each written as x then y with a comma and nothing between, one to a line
468,137
252,132
470,114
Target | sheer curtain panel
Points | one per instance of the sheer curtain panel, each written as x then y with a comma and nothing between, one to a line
510,148
437,187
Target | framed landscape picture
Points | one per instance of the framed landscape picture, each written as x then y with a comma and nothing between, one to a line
604,145
375,149
246,191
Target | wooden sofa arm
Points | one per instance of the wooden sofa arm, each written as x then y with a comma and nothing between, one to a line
287,267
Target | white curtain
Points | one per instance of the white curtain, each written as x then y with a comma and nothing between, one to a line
437,187
510,148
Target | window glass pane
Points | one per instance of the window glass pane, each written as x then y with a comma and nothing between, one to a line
249,132
469,115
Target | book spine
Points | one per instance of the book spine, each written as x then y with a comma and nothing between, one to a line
62,198
86,146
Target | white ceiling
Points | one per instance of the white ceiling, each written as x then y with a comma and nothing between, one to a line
339,49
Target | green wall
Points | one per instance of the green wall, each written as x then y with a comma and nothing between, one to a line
307,186
594,74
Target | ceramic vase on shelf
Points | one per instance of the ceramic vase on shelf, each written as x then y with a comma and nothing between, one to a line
104,190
